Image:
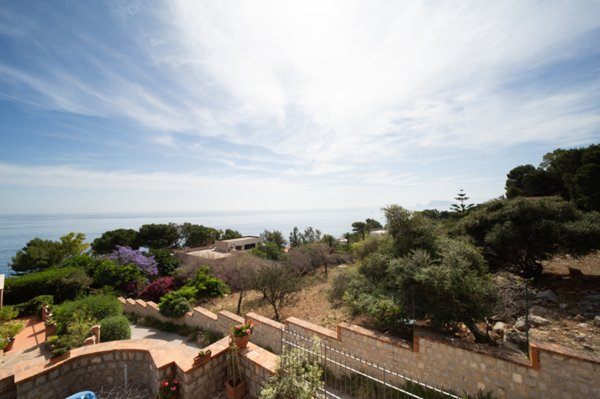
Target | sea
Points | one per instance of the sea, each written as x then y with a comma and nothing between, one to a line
17,229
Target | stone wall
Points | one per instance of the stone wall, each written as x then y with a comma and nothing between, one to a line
550,372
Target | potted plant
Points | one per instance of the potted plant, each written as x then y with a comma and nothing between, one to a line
59,348
202,358
49,328
241,334
168,389
8,332
235,386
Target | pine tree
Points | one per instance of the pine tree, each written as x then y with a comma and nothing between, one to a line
461,207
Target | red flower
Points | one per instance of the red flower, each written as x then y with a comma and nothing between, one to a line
175,381
165,383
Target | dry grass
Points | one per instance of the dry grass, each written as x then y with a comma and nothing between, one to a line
309,304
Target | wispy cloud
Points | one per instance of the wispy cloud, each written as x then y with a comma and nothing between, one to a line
306,95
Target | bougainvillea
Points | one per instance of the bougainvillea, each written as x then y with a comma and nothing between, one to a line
127,256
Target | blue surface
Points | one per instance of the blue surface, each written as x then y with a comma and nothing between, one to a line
83,395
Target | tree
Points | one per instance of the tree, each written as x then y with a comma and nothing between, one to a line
158,235
360,228
373,224
295,237
230,234
268,250
460,206
193,235
277,284
310,235
166,262
275,237
73,244
409,230
238,273
37,255
518,234
109,240
127,256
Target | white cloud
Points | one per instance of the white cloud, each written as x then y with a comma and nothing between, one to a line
329,87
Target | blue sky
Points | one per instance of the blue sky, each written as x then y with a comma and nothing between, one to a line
198,105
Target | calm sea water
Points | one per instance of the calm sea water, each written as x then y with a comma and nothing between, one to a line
17,229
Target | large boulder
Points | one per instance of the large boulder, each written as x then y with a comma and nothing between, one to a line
547,295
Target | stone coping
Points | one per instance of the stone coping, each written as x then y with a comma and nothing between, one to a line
313,327
161,355
264,320
261,357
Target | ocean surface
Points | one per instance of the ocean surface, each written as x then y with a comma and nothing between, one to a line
17,229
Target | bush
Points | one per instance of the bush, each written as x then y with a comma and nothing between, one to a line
8,313
126,279
9,330
64,283
207,286
34,306
94,307
157,289
166,262
339,286
114,328
175,304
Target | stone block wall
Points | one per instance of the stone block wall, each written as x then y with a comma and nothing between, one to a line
550,372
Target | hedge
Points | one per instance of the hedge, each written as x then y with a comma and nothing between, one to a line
63,283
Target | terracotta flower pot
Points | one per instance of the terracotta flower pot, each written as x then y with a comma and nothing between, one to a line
59,358
236,392
202,360
9,345
50,330
241,342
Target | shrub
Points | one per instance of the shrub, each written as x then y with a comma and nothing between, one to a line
157,289
94,307
114,328
339,286
207,286
64,283
9,330
34,305
124,278
8,313
175,304
166,262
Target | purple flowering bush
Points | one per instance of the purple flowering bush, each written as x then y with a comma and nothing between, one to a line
128,256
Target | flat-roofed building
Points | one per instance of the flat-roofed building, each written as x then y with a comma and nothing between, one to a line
238,244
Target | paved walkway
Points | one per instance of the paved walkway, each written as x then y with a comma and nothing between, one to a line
33,334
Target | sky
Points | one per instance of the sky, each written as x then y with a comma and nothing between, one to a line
223,105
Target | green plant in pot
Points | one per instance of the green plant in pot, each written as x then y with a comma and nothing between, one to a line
203,357
8,332
235,386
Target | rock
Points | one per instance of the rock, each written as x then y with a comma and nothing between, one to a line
547,295
575,272
500,328
582,325
588,347
562,306
507,345
517,339
520,324
579,337
541,311
579,318
597,321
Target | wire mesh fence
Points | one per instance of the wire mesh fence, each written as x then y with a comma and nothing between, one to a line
347,376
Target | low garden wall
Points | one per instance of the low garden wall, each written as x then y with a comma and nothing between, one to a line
550,372
148,363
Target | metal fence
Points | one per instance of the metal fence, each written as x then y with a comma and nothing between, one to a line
347,376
